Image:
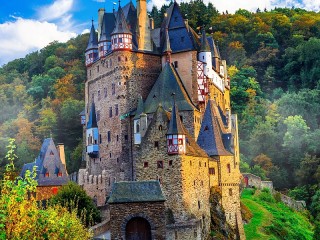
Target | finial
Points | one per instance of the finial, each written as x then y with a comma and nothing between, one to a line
174,97
92,20
119,2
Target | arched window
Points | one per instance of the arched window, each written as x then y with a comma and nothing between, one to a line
137,127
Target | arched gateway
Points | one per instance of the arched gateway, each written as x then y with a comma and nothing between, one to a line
138,228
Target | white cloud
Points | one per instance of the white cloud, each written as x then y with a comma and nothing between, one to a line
23,36
55,11
251,5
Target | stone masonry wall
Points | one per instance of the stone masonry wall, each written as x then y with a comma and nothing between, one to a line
153,212
114,84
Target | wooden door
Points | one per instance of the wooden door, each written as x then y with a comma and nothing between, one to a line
138,229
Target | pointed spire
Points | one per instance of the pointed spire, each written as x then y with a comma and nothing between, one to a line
121,23
166,47
205,47
216,52
92,123
175,125
93,41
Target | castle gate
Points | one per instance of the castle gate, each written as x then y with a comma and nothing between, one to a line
138,228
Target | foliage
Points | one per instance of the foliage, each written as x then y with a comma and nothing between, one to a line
272,219
20,214
74,198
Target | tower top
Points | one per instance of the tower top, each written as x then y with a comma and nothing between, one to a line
175,125
93,41
205,47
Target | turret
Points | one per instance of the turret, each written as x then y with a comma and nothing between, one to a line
121,37
92,134
216,57
205,55
103,44
176,137
91,52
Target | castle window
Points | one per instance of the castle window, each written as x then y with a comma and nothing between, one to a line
137,127
59,174
100,139
199,205
105,92
201,183
229,168
175,64
110,111
110,62
156,144
89,72
117,160
160,127
199,164
109,136
170,163
175,235
230,191
205,164
110,154
97,68
181,118
99,95
145,164
212,171
47,174
113,90
126,137
117,138
190,163
116,110
126,59
119,59
159,164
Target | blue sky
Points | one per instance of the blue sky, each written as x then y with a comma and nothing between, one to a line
29,25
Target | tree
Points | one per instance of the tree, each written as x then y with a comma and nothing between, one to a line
22,218
72,196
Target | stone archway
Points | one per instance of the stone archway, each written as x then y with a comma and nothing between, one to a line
138,228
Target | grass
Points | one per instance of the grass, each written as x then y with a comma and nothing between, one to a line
273,220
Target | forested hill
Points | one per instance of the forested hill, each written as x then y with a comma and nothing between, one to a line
42,95
274,66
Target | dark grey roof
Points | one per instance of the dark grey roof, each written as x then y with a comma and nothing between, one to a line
210,135
167,83
140,108
136,191
121,25
48,161
204,42
175,125
108,24
93,41
92,123
214,49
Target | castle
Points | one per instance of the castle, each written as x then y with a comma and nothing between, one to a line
159,132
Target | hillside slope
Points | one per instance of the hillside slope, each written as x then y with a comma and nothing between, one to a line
272,219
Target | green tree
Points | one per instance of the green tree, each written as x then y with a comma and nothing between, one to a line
72,196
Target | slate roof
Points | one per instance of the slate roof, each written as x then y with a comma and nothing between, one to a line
140,108
136,191
175,125
167,83
93,41
211,132
108,24
204,42
48,161
92,123
121,25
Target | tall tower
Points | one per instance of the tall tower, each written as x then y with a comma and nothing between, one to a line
144,39
92,47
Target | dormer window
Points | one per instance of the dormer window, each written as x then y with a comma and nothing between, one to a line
47,174
59,174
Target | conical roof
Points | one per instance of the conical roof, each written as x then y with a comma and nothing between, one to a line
175,125
93,40
205,47
210,136
121,23
167,83
92,123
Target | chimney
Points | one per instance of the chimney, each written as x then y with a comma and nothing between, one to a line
62,155
151,23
